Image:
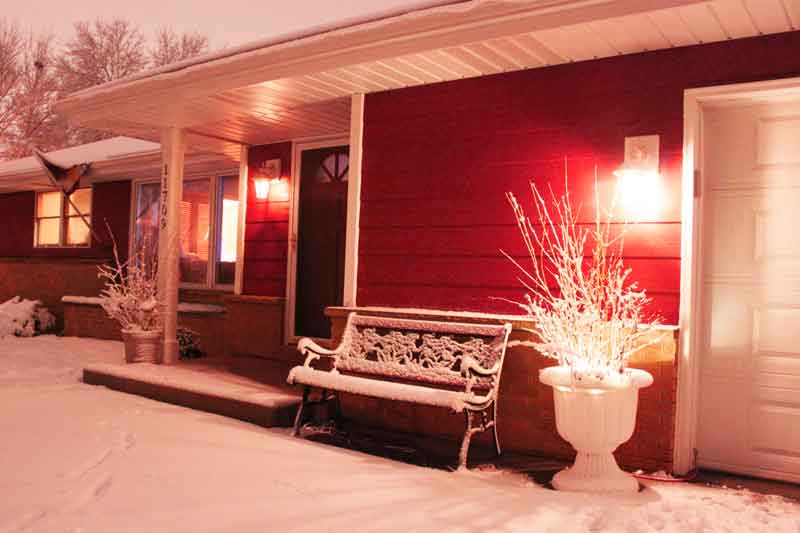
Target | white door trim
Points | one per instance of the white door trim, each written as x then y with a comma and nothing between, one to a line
692,200
294,219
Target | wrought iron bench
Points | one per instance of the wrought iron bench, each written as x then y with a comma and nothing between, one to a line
441,364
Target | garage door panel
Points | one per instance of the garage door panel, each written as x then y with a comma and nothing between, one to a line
777,239
778,139
777,377
775,430
759,238
732,257
730,329
776,329
752,146
722,407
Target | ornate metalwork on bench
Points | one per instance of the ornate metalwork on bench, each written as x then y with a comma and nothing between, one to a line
443,364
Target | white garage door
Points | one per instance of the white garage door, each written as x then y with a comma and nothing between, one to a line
750,365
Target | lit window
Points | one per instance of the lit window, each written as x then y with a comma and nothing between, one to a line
64,223
209,216
195,228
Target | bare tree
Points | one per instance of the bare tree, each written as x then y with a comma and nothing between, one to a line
31,101
171,47
34,74
11,45
101,51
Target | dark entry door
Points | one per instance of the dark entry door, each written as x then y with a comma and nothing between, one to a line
322,227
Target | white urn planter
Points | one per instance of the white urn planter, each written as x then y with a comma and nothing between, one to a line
142,346
595,419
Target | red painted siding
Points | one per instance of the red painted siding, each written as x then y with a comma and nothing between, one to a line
110,204
267,226
438,160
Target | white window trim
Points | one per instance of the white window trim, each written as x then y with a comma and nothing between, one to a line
62,221
213,244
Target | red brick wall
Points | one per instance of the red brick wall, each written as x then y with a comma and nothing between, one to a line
89,320
438,160
111,203
48,279
267,228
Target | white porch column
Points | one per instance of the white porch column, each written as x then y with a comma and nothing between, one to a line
238,282
173,147
353,200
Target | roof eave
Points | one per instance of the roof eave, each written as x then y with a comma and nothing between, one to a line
325,50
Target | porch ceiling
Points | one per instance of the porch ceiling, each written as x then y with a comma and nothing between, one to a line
301,87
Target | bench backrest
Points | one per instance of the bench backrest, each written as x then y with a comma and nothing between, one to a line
421,350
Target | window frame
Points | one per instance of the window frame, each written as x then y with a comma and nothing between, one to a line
214,205
63,208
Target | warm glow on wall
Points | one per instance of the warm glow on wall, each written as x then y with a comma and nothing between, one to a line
262,187
279,191
269,173
640,191
640,194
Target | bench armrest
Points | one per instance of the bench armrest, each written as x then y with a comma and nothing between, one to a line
314,351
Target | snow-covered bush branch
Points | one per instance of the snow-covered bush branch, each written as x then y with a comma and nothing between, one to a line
24,318
588,313
131,293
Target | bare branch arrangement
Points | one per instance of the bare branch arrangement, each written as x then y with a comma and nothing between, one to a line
131,293
588,314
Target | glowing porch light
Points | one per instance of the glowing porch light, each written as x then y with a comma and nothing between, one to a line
269,174
640,190
262,187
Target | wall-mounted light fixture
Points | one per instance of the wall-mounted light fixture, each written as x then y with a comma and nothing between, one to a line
269,173
639,186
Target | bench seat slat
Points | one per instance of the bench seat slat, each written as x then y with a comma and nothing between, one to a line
389,390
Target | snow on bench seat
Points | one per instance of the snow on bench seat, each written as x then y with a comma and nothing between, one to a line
388,390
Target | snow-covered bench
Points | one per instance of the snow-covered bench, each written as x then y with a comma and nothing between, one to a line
441,364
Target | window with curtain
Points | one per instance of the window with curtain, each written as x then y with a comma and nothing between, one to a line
63,223
209,212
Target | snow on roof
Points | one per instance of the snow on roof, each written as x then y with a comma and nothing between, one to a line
355,22
104,150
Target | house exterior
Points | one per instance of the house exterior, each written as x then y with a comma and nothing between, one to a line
377,158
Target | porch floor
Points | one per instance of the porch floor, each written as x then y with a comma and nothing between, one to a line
207,386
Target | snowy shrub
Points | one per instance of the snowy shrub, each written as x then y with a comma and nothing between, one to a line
189,344
130,296
588,314
24,318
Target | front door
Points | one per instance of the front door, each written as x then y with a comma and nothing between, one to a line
749,419
321,231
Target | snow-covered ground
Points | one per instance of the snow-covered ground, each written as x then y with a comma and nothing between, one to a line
75,457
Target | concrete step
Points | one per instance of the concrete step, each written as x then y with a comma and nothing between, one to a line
267,371
206,387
